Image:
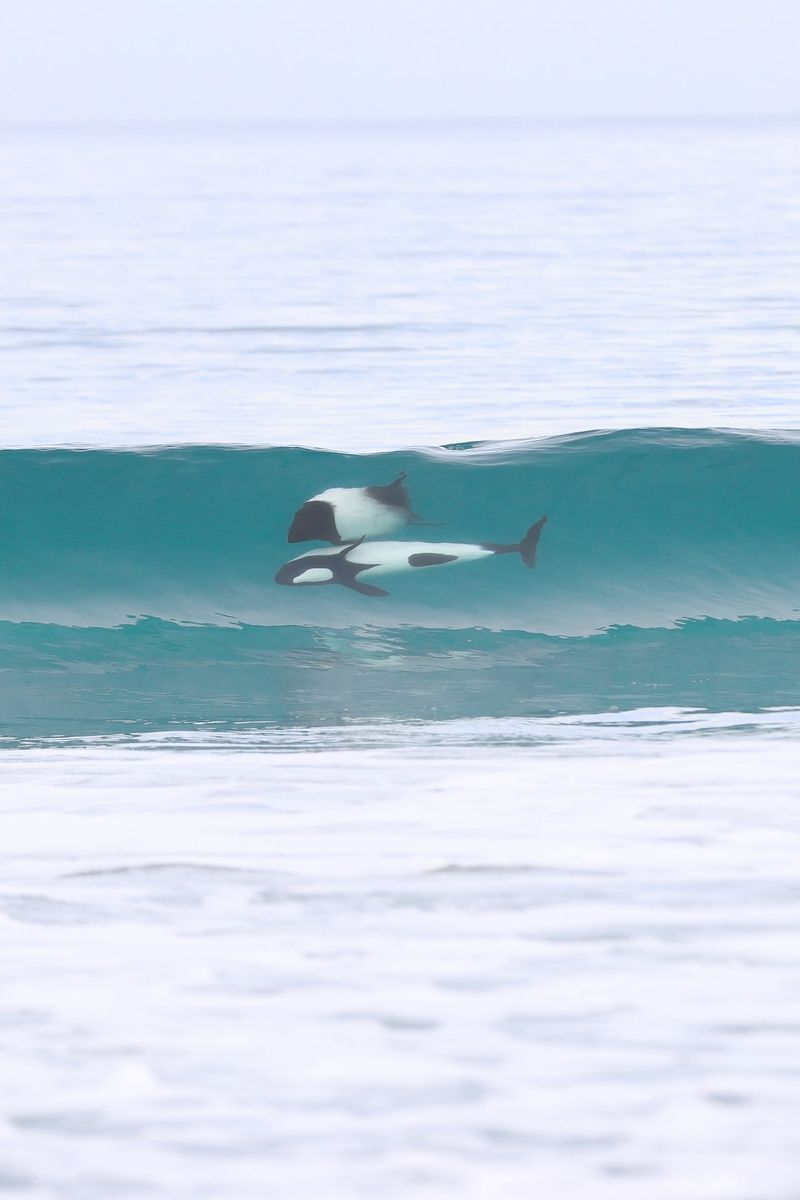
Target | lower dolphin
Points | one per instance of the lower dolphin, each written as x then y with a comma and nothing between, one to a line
350,565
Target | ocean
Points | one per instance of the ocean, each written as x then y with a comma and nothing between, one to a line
485,885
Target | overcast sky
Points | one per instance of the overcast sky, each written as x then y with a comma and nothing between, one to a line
111,59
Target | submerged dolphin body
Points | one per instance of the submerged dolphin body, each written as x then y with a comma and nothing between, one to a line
360,559
340,515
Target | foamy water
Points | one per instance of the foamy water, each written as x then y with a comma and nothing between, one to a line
555,966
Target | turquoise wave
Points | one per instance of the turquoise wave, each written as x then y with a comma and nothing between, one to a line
155,674
138,586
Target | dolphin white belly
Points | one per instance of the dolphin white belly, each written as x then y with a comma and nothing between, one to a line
358,515
390,558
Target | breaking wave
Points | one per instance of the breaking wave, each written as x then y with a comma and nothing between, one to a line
138,586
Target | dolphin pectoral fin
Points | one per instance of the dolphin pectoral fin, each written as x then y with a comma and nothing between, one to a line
366,589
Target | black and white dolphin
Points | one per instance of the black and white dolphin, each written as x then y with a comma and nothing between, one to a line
341,515
360,560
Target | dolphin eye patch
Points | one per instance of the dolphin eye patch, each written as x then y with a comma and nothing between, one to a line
430,560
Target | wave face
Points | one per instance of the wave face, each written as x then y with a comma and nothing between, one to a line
137,586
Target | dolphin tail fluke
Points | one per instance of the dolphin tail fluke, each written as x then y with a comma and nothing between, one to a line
529,543
527,547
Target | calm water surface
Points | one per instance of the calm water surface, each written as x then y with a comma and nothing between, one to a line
381,286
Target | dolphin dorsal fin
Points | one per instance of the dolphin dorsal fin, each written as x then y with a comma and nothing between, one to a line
350,546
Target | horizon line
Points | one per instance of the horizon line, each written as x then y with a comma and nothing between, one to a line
397,119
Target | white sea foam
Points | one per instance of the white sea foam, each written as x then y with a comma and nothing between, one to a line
456,970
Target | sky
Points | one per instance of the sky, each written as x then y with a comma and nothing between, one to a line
376,59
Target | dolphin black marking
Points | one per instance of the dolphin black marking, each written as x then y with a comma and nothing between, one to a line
314,521
377,558
430,560
394,494
337,567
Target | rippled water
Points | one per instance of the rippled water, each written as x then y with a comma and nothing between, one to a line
489,891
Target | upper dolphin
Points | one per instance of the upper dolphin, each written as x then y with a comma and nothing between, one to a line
340,515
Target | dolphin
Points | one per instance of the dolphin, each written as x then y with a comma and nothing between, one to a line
343,515
360,560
